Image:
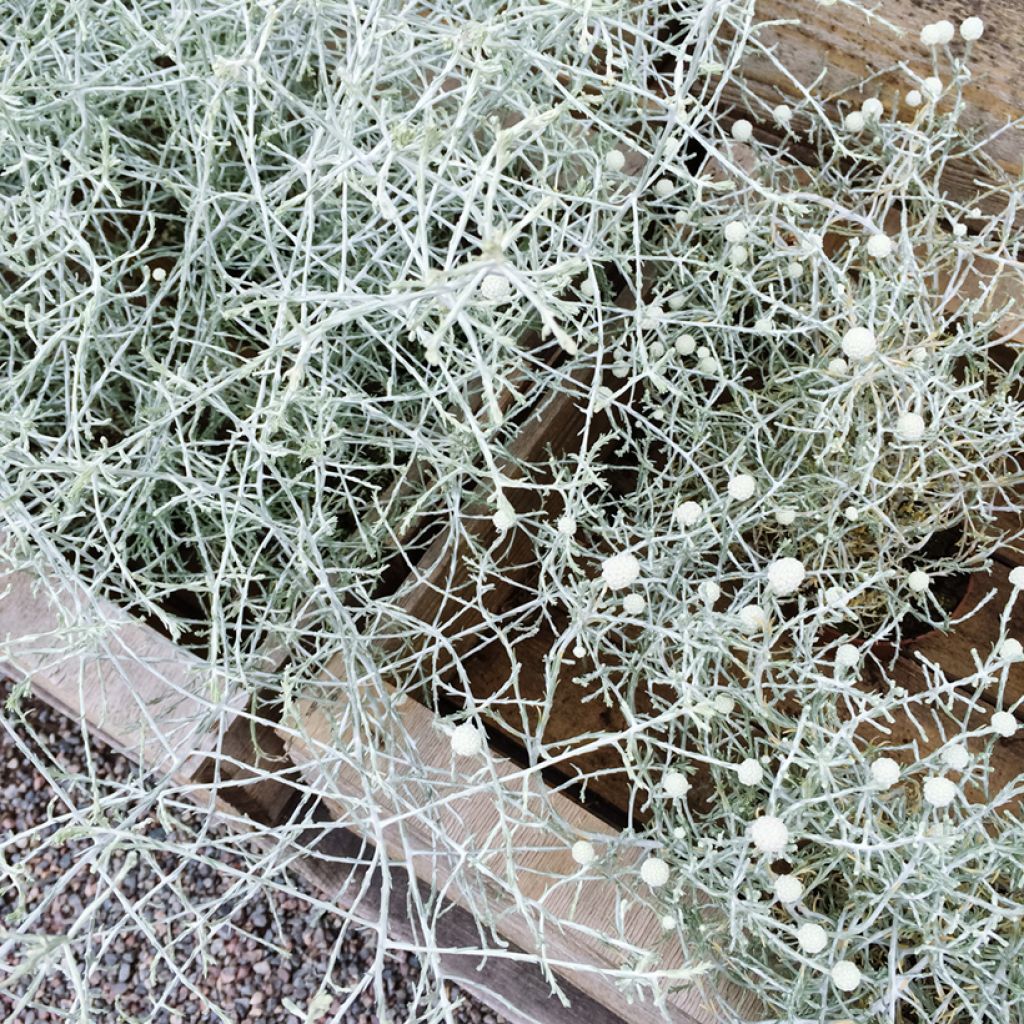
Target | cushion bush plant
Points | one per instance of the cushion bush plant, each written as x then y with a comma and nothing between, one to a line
283,288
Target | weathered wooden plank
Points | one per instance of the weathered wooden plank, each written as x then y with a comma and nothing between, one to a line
839,46
346,868
977,635
127,683
570,906
925,724
1008,523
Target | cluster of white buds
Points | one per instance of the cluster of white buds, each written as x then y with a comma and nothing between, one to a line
939,33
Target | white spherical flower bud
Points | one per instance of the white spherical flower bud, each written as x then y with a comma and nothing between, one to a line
750,772
795,268
588,288
735,231
782,114
785,516
466,740
615,160
583,852
495,287
1004,724
724,704
668,922
654,871
885,772
505,518
689,513
710,591
838,366
764,325
738,255
872,108
914,98
742,487
159,274
932,87
919,581
652,316
879,246
664,187
634,604
959,230
837,597
578,651
753,619
847,656
811,937
686,344
939,791
567,525
845,975
854,121
859,343
910,427
675,784
785,576
769,834
676,300
708,365
703,352
956,757
1017,577
620,571
1011,650
788,889
971,29
742,130
940,33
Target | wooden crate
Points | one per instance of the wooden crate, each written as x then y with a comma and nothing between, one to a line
813,38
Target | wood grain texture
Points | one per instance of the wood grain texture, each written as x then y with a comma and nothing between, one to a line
843,46
975,637
346,869
130,685
568,905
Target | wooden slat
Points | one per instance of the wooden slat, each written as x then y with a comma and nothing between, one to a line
346,869
132,686
536,857
954,652
809,39
925,725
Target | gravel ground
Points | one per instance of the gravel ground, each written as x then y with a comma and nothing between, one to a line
265,958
